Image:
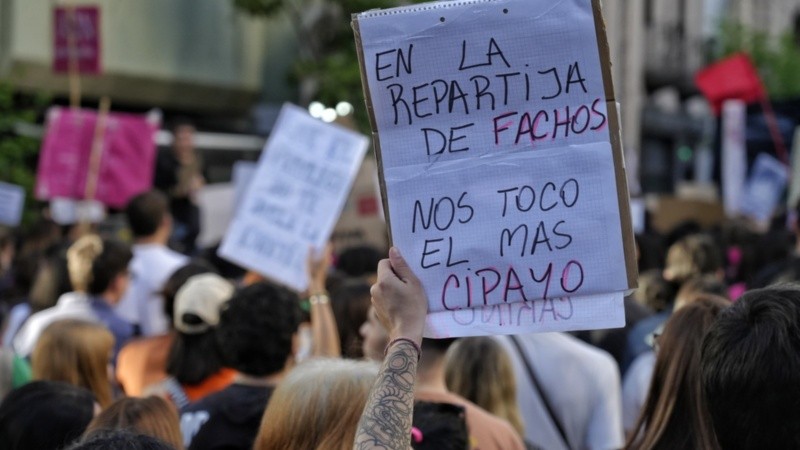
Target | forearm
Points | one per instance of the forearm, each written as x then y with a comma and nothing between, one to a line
386,421
324,332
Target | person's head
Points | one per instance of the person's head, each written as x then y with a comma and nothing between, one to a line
654,291
699,287
751,370
317,405
359,261
76,352
433,353
439,426
693,255
149,217
375,336
195,353
120,440
177,280
37,238
44,415
152,416
183,132
50,282
257,330
469,363
99,267
675,414
351,302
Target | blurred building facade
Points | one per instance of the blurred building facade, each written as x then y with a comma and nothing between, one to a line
198,56
659,45
205,58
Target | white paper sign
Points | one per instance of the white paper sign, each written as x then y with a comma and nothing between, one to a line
496,155
67,211
243,172
764,188
12,200
295,197
734,155
216,203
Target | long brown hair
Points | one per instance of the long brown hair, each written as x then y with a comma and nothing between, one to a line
76,352
152,416
675,415
472,361
318,405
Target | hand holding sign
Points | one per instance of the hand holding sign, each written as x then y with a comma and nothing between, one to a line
399,298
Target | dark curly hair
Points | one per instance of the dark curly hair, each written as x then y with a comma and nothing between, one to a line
256,328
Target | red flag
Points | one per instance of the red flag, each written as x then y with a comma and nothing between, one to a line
734,77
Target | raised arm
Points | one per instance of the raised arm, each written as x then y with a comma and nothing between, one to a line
324,332
401,305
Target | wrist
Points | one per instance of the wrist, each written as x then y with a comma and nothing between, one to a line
411,333
319,298
406,341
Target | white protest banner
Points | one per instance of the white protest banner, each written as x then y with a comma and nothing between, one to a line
764,188
734,155
497,135
295,197
12,200
217,205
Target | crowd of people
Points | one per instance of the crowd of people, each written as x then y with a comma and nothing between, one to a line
151,343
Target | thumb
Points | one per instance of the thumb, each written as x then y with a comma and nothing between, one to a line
400,266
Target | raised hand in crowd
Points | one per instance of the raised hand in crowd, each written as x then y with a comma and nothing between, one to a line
324,332
401,305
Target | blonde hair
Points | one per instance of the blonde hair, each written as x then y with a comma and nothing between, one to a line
80,257
478,369
152,416
318,405
76,352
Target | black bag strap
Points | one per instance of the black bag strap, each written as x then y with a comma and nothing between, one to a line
540,391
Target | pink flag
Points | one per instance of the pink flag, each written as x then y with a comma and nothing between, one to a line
126,163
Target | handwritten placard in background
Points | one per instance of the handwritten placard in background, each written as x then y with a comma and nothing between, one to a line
295,196
12,200
128,152
494,133
764,188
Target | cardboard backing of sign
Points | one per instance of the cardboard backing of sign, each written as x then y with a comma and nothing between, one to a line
614,132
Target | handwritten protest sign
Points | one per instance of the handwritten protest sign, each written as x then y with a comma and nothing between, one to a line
295,196
127,158
12,200
497,136
764,188
76,39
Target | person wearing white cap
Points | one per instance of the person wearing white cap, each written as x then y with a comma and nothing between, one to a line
195,363
258,335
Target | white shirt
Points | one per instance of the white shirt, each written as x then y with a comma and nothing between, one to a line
72,305
582,384
143,304
635,387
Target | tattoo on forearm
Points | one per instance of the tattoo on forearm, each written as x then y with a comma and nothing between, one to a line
386,422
